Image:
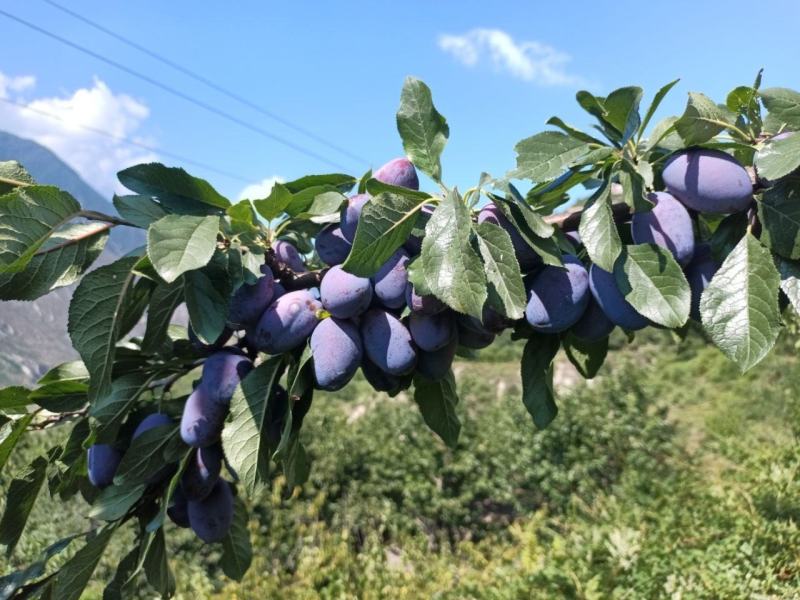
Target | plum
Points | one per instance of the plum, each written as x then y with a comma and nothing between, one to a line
337,351
607,294
287,323
427,305
387,342
102,462
399,172
382,381
288,255
432,332
493,321
151,421
343,294
350,215
668,225
593,325
202,472
250,301
472,334
708,181
435,365
390,282
202,419
178,510
331,245
413,245
699,273
557,296
211,518
222,372
526,256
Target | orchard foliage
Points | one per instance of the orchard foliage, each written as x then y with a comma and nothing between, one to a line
690,222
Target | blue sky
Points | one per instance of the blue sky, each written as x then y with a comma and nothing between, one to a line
497,70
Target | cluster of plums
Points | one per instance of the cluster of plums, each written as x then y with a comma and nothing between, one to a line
382,325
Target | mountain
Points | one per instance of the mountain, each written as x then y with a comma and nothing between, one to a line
33,335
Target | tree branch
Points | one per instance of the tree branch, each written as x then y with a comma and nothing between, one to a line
98,216
569,220
290,279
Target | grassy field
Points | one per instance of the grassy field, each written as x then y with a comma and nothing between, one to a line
668,476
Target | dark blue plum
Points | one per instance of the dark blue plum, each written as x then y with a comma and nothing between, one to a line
151,421
222,372
382,381
332,247
387,342
557,297
526,256
413,244
178,509
250,301
435,365
287,323
343,294
389,283
432,332
575,238
699,273
668,225
203,418
288,255
708,181
399,172
493,321
350,215
427,305
594,325
102,462
337,351
472,334
607,294
211,518
202,472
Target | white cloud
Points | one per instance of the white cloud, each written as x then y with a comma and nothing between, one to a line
256,191
60,123
526,60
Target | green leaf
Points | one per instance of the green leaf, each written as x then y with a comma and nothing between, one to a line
109,410
61,396
622,111
175,481
296,464
437,403
12,582
207,293
423,130
739,308
14,398
76,572
28,217
156,566
180,243
10,433
342,183
115,501
385,224
783,105
654,284
657,99
587,356
537,378
633,185
139,210
702,120
572,132
163,302
20,497
598,230
727,234
127,569
452,270
154,179
790,281
95,313
147,454
237,553
323,209
11,169
778,158
275,204
502,269
245,437
779,213
546,155
69,371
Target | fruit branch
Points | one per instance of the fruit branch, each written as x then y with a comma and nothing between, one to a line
290,279
98,216
569,220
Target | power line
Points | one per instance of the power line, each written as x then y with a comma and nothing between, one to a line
207,82
129,141
171,90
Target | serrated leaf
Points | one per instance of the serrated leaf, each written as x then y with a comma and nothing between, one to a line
654,284
11,434
536,369
155,179
702,120
147,454
115,501
586,356
342,183
126,571
237,552
28,217
739,308
423,130
139,210
244,437
61,396
14,398
546,155
778,158
598,230
296,464
20,497
386,222
452,270
633,187
502,268
783,105
207,293
95,313
180,243
622,111
11,169
657,99
76,572
779,213
13,581
156,567
69,371
110,409
275,204
163,302
437,403
790,281
573,132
